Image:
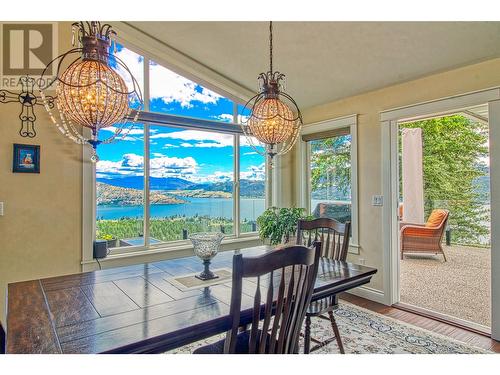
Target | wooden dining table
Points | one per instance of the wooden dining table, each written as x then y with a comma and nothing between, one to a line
140,308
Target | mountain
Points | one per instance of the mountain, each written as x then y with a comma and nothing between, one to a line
248,188
252,188
200,193
113,195
155,183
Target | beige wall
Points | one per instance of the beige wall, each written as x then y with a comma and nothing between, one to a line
40,232
368,106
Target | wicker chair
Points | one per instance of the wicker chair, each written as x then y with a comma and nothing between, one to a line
425,238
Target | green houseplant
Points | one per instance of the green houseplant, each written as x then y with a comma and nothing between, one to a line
277,224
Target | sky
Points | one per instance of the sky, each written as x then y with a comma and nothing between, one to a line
196,156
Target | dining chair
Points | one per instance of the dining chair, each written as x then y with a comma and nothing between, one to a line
2,340
335,239
285,279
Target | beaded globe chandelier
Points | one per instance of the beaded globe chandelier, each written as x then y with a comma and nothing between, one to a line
90,91
275,119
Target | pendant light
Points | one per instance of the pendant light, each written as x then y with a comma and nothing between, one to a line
275,119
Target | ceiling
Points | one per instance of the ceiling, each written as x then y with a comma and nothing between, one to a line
327,61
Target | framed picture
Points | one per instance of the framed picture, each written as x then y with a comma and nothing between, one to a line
26,159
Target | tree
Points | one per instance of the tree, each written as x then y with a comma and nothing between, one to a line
331,167
453,147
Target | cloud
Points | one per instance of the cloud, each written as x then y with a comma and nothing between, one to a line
204,144
164,166
132,161
217,176
133,131
132,135
160,166
254,172
173,167
196,138
251,153
226,117
165,84
244,141
169,145
130,165
243,119
135,63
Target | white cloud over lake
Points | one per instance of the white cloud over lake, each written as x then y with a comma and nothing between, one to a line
254,172
160,166
164,166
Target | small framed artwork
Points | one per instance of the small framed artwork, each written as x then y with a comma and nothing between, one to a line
26,159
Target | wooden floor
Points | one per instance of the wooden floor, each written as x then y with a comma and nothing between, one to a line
432,325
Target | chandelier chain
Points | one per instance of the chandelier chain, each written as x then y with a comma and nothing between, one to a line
271,46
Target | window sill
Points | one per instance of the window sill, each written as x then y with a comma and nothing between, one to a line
354,249
170,250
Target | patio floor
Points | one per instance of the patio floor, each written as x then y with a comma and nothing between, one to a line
459,287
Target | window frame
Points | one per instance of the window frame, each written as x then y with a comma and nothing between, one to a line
304,170
147,119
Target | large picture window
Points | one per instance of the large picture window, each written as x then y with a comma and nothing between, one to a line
194,170
252,185
119,191
330,166
330,171
181,173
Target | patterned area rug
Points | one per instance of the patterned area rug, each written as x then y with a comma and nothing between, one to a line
365,331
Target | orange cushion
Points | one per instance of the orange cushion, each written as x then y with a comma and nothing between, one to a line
418,232
436,218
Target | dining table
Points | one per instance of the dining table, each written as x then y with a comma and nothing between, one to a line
143,308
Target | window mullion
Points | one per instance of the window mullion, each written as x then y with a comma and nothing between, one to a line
146,197
146,186
236,186
146,94
308,177
236,176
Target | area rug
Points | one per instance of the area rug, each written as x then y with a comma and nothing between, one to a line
366,332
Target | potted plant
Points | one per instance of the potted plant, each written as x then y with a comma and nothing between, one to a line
278,225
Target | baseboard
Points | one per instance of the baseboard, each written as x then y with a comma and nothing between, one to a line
370,294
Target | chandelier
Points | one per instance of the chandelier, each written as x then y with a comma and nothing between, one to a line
90,91
275,119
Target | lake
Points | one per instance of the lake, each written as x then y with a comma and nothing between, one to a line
250,209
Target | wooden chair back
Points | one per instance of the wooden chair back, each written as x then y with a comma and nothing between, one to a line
333,235
2,340
286,277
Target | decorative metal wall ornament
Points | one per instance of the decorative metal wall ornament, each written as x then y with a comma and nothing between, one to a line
90,92
28,100
275,118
